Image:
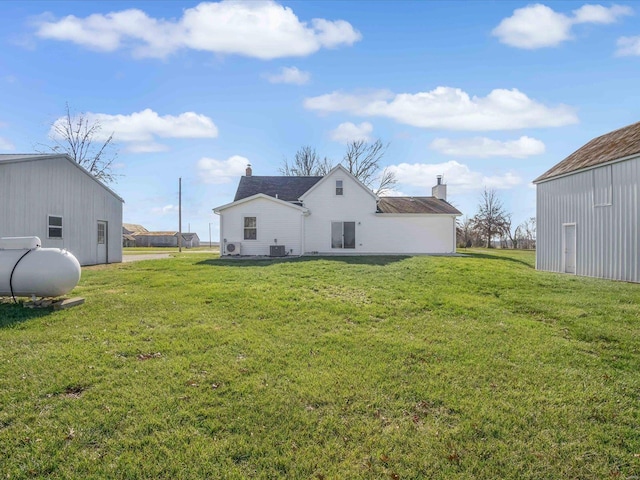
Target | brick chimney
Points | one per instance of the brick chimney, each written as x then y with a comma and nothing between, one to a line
440,189
248,171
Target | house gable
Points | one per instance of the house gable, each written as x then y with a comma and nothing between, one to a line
338,172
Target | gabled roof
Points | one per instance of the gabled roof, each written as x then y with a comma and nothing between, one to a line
429,205
30,157
263,196
615,145
346,172
289,189
134,228
170,233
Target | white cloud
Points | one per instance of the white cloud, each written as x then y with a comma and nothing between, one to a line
600,14
459,177
165,210
628,46
264,30
6,144
139,130
483,147
215,171
289,75
449,108
538,26
350,132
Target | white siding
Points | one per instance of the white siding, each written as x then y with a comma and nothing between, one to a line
607,237
375,233
274,221
415,234
32,190
354,205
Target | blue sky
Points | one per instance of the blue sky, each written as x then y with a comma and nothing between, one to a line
486,93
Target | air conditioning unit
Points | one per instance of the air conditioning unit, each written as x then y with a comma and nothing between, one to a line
233,248
277,251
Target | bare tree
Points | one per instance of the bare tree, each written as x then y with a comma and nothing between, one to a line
306,162
491,219
513,236
528,233
362,159
80,137
466,234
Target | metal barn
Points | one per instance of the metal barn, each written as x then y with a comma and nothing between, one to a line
54,198
588,215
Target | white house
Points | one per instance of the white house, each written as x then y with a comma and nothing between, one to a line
588,213
54,198
332,215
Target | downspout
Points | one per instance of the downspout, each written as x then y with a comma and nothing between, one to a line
302,230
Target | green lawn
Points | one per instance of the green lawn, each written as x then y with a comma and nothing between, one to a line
325,368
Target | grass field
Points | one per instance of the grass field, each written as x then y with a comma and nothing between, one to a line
316,368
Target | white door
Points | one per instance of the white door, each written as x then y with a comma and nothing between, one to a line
569,245
102,256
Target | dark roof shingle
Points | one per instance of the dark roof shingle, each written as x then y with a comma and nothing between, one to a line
289,189
605,148
416,205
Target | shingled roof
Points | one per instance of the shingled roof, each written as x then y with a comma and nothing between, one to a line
289,189
605,148
416,205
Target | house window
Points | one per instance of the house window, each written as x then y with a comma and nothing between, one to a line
101,233
602,186
54,225
343,234
339,189
250,228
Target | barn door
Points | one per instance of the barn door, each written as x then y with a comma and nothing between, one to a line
103,245
569,245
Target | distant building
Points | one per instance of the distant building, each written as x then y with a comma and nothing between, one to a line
54,198
165,239
128,233
588,212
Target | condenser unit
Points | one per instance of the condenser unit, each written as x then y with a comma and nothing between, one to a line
277,251
233,248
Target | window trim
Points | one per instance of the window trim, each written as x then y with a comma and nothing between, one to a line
245,228
55,227
339,189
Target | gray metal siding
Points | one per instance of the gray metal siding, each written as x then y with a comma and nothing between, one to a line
32,190
606,235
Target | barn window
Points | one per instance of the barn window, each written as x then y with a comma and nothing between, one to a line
250,228
339,189
54,224
602,186
102,233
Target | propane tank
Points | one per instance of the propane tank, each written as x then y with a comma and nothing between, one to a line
26,269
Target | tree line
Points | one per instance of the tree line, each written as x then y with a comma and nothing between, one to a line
492,226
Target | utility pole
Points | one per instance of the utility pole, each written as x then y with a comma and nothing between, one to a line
209,235
180,214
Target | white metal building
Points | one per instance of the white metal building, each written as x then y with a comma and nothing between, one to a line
332,215
54,198
588,215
